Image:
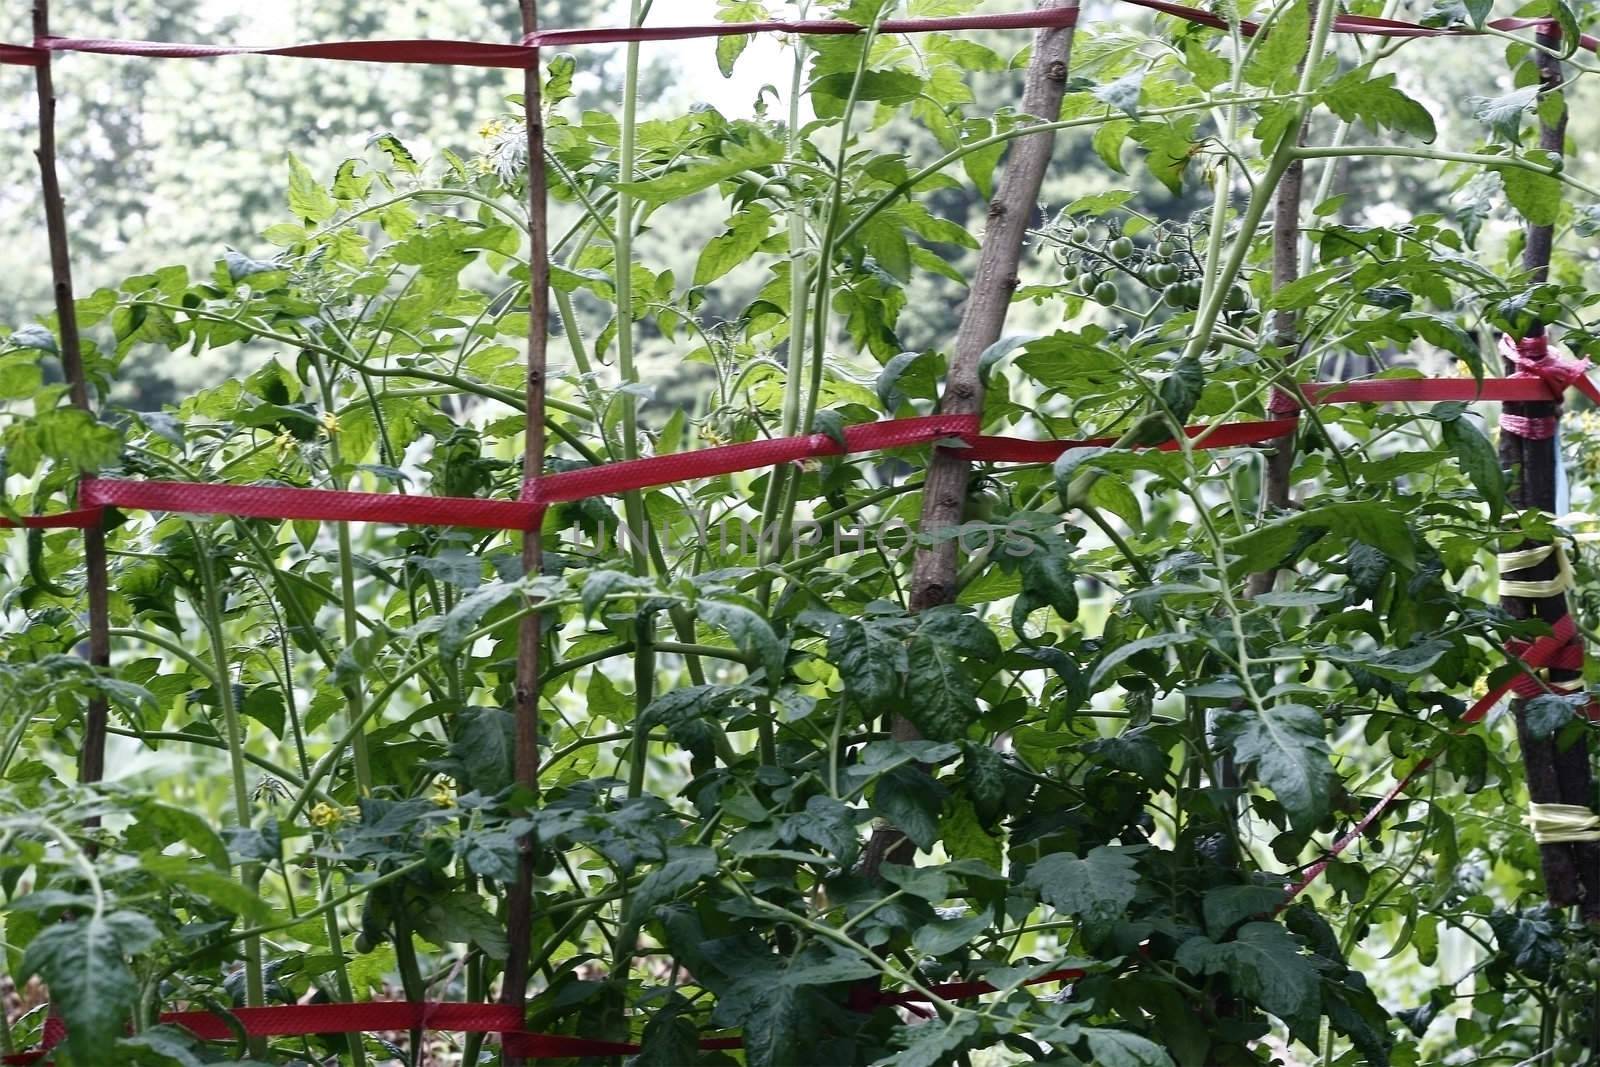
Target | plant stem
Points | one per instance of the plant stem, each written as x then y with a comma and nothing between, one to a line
622,268
249,873
1479,158
354,693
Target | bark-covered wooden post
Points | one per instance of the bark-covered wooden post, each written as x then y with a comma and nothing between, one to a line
1555,776
1015,203
1285,328
92,756
519,907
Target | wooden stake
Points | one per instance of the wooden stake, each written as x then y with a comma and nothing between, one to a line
519,908
92,756
1571,871
1016,199
1276,481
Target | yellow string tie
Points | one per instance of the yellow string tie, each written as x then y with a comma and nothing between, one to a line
1523,558
1558,824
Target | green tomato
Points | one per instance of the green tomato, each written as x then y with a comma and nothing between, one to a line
1165,273
1164,250
1087,282
1069,274
1569,1051
364,943
984,502
1173,295
1122,247
1594,968
1080,234
1238,298
1105,294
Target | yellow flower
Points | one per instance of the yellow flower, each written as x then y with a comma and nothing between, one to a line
443,795
284,443
491,129
324,815
330,423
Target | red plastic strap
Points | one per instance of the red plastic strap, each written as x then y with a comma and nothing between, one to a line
1552,650
729,459
485,54
1531,427
61,520
1012,20
1363,25
1226,435
266,502
296,1020
19,55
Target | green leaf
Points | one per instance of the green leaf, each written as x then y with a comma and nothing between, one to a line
91,986
1000,350
1098,886
870,659
729,49
1169,146
957,627
399,155
684,868
984,775
1358,96
1503,114
1107,143
1264,964
1180,390
884,86
483,745
750,632
1208,69
1287,745
935,1043
1477,459
469,611
1537,197
1449,335
1122,653
1119,1048
735,245
207,883
307,199
942,699
887,385
1226,906
1547,714
71,437
1122,94
33,336
943,936
1276,61
705,171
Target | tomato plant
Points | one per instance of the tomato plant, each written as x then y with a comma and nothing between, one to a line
769,788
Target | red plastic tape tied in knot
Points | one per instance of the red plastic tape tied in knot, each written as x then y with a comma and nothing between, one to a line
1283,405
1533,358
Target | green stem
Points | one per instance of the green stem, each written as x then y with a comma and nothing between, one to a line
1479,158
249,873
354,693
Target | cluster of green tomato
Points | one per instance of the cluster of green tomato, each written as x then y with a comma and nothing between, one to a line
1167,265
1580,982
